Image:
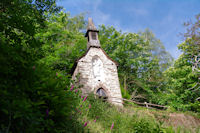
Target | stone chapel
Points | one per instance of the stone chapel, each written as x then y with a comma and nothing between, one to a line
97,71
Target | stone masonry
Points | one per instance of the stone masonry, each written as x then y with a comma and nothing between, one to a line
97,71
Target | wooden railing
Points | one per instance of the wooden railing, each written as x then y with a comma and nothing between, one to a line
145,104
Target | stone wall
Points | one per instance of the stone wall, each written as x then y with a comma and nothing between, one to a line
98,71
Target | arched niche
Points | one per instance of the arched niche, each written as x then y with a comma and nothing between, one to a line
98,69
101,93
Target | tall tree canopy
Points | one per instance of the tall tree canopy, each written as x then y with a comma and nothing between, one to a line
183,78
140,60
157,49
33,96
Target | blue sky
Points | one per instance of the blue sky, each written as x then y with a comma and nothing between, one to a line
164,18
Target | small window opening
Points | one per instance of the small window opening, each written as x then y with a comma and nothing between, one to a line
102,94
94,36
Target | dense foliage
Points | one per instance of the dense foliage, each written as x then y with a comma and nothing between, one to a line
182,80
38,47
141,62
33,97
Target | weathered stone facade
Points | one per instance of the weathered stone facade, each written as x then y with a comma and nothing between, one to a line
98,72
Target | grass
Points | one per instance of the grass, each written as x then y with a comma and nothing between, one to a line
100,115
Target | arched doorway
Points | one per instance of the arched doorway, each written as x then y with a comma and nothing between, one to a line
102,94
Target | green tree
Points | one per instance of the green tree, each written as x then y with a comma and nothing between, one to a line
63,41
139,70
157,49
33,96
183,77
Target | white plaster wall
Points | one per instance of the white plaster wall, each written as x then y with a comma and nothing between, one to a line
109,81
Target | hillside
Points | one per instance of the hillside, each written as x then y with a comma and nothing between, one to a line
39,45
98,116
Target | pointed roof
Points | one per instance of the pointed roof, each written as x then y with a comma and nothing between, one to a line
90,27
76,62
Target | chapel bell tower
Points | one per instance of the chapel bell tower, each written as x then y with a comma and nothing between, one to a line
92,35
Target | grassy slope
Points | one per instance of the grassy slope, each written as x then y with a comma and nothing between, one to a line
179,121
133,118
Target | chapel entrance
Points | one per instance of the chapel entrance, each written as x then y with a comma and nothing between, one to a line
102,94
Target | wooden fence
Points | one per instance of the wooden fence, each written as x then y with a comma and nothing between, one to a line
145,104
